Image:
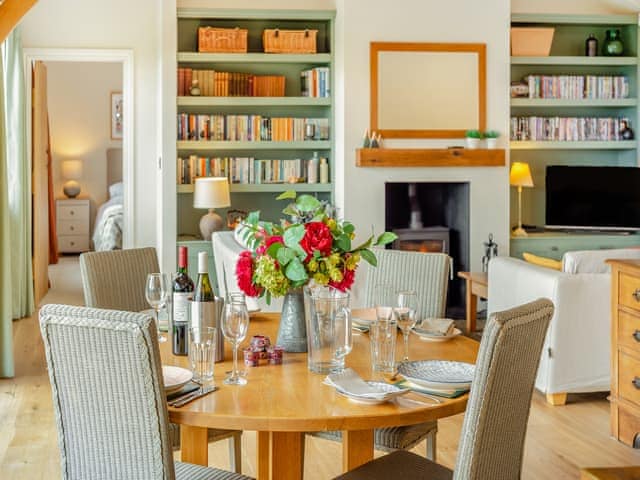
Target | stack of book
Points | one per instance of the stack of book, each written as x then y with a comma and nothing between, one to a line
245,170
230,84
251,128
567,129
315,82
576,87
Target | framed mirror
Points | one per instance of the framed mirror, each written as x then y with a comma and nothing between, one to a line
427,90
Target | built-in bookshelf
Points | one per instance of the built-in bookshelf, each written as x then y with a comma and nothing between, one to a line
295,91
566,87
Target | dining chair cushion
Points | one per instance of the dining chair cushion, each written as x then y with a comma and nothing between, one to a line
189,471
399,464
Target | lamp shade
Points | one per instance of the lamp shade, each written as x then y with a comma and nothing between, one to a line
72,169
211,192
520,175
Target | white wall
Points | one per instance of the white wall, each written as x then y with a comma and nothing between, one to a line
79,116
117,24
575,7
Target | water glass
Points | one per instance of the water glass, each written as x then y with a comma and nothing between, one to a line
406,314
235,323
202,347
156,292
382,334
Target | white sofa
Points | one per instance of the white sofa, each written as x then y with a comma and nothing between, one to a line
576,354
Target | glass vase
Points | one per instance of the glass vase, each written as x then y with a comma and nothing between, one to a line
613,46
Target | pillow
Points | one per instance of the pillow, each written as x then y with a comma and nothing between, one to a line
116,190
593,261
542,261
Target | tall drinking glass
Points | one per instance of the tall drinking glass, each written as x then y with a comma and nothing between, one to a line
156,292
235,323
406,316
383,333
202,349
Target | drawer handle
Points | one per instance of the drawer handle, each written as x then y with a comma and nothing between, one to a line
636,382
72,243
636,335
636,294
71,228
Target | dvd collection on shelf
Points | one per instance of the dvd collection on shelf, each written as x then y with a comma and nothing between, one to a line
251,128
568,129
577,87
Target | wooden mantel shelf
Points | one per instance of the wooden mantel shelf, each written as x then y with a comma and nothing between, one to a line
429,157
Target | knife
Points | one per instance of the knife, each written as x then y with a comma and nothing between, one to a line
195,395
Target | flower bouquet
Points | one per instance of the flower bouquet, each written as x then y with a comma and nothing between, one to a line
312,246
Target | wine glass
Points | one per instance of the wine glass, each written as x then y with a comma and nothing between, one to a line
157,293
406,313
235,323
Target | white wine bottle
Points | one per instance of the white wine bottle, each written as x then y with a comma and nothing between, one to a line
206,308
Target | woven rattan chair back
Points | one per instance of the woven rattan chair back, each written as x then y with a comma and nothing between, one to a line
109,405
116,279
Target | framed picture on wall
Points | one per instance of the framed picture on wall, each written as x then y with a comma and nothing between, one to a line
116,115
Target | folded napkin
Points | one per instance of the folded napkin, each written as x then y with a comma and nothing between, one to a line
438,326
349,382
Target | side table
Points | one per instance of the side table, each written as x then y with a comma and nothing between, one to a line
477,285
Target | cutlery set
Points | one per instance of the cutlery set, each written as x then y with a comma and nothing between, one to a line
191,396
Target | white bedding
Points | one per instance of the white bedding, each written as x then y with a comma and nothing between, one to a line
107,233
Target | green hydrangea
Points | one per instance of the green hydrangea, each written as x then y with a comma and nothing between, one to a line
271,277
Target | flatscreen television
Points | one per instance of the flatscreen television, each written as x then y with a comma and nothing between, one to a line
592,198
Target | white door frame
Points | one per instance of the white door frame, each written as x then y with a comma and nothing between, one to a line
125,57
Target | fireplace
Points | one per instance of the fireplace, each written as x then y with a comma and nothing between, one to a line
432,217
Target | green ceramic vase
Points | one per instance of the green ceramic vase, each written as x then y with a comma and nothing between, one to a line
613,46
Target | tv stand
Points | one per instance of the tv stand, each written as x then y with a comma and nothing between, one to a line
553,244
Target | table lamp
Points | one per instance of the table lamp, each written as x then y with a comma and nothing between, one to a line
520,176
71,171
211,192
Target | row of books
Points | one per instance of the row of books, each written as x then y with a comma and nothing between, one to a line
568,129
251,128
246,170
315,82
230,84
575,87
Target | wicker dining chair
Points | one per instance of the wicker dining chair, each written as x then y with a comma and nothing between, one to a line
427,274
109,403
495,423
116,280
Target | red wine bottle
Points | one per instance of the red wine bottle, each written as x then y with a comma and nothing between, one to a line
182,293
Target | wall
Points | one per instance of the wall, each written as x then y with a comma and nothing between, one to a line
575,7
79,115
116,24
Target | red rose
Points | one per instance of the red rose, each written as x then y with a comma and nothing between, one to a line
244,274
317,236
348,277
270,241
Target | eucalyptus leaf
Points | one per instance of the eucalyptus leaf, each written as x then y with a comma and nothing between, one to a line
307,203
300,251
369,257
295,271
289,194
285,255
293,235
386,237
289,210
348,228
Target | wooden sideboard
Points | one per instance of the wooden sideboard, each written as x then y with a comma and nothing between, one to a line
625,351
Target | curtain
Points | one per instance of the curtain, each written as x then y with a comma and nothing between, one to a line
18,175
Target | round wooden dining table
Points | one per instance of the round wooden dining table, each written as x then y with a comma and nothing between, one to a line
282,402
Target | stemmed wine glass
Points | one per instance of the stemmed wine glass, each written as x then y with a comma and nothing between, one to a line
235,323
157,293
406,313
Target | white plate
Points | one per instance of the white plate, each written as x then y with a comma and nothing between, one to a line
439,387
175,378
430,337
438,373
389,392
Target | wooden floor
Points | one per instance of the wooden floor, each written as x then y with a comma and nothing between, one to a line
560,440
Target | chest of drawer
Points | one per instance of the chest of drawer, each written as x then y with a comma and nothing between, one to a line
73,227
73,212
629,291
629,330
629,378
73,243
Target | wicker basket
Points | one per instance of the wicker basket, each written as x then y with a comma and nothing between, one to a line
531,41
222,40
289,41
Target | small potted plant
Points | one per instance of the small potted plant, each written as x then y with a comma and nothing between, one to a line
491,137
473,138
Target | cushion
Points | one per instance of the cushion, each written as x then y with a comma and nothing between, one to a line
542,261
593,261
116,190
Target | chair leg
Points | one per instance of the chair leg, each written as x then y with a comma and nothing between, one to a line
557,399
431,445
235,452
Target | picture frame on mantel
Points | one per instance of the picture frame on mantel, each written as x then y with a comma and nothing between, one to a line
427,90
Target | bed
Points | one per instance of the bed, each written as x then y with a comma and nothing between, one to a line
107,232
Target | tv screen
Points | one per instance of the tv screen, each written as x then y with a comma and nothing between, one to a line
601,198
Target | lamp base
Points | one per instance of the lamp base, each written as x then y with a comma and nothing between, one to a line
209,223
71,189
519,232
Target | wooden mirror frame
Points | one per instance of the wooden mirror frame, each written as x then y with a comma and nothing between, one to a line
478,48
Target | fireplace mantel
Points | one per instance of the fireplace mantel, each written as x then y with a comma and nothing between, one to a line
429,157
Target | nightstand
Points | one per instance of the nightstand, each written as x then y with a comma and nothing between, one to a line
72,225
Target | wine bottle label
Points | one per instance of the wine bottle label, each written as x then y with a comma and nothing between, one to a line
181,306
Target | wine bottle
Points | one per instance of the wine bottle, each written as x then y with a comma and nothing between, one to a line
182,292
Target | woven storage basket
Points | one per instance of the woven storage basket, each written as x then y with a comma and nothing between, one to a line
289,41
531,41
222,40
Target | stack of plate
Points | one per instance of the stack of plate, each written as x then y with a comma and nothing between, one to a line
175,378
435,337
438,374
